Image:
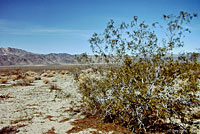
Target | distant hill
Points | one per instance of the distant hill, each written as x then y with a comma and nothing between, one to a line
13,56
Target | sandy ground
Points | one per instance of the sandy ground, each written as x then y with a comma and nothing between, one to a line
36,109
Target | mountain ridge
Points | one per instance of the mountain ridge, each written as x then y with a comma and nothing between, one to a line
14,56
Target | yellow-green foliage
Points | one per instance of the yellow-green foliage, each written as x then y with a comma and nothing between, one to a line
148,89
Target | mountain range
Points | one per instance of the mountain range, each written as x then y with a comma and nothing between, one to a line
13,56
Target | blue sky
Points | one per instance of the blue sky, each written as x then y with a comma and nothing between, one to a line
46,26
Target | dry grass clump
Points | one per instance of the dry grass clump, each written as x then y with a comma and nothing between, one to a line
21,83
29,79
63,72
14,77
22,76
50,74
53,72
5,96
9,130
45,80
88,75
3,74
51,131
4,80
37,78
54,87
30,73
67,72
59,93
44,75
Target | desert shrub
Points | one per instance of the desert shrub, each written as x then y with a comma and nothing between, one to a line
50,75
5,96
44,75
22,83
45,80
89,75
146,89
29,79
4,79
53,87
14,77
62,72
30,73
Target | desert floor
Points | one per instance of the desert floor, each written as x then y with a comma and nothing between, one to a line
46,102
38,108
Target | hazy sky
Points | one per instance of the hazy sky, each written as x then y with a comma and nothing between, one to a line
45,26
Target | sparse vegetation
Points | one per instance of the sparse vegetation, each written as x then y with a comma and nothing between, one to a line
9,130
29,79
53,87
51,131
21,83
44,75
149,91
20,103
14,77
4,79
45,80
5,96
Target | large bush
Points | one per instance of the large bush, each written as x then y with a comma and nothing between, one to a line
146,88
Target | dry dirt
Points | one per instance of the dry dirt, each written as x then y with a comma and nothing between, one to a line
40,108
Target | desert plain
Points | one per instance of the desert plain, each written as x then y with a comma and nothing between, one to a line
46,100
40,100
